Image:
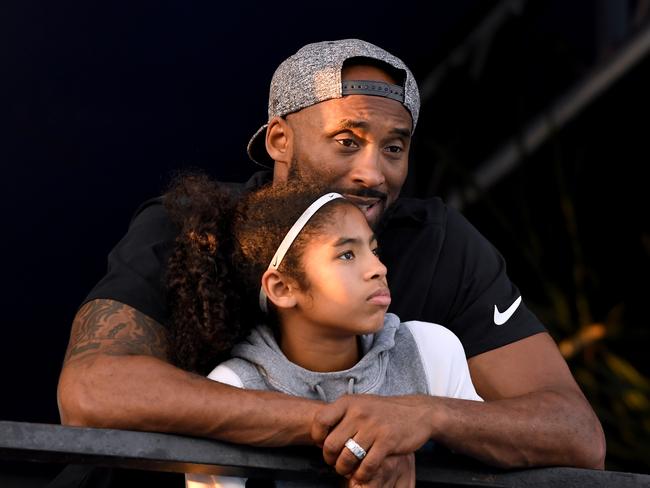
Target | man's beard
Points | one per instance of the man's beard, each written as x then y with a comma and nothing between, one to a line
295,174
327,180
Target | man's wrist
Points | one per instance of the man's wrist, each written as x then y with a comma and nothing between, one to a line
299,413
311,409
437,416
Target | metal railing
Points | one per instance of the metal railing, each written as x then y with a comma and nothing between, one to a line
55,444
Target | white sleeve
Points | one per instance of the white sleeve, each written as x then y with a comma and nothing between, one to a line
222,374
444,361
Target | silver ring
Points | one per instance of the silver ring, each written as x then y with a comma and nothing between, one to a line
358,451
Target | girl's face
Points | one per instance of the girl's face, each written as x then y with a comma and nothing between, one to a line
347,290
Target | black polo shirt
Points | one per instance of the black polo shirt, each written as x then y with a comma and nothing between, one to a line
440,269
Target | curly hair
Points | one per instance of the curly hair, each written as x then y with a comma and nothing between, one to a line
223,248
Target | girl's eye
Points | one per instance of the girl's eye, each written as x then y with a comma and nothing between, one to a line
375,251
346,256
394,149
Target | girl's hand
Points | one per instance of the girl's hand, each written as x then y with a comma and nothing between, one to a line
394,472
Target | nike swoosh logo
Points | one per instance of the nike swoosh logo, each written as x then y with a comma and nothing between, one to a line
502,317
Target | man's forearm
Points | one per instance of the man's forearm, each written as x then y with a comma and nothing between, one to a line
146,393
543,428
117,375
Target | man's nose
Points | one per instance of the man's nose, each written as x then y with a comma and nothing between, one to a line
367,169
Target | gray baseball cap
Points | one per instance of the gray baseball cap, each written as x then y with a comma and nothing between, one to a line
313,75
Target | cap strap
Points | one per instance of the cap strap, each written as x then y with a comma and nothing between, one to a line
371,87
291,236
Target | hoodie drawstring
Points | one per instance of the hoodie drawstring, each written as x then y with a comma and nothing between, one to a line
321,392
351,386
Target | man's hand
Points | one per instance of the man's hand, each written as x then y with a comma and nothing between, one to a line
394,472
383,426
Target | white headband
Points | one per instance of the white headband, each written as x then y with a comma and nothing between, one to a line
291,236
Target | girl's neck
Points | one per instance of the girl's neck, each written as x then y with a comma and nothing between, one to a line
318,351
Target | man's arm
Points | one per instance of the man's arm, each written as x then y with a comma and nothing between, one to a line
116,375
534,415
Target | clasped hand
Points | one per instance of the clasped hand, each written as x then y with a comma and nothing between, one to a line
390,429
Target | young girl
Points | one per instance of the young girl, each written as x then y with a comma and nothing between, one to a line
306,270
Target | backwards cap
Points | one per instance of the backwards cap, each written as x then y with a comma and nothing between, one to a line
313,75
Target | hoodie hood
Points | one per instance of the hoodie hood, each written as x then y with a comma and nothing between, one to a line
262,351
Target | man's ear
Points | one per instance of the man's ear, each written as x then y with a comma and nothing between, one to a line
279,289
279,140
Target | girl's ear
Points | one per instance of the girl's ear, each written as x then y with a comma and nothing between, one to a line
278,289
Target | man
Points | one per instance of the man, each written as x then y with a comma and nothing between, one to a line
342,111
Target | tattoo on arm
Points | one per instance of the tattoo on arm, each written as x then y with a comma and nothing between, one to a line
113,328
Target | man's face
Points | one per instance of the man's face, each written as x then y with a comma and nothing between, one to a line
359,143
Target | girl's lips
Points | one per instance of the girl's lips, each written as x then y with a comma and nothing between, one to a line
380,297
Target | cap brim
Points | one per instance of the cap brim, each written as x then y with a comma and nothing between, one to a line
256,148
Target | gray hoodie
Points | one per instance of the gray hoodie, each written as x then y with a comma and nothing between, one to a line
401,359
261,365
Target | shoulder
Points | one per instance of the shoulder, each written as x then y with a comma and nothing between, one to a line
418,210
443,359
151,234
151,214
239,372
435,339
434,212
224,374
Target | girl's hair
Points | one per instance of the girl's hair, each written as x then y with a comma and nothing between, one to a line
223,248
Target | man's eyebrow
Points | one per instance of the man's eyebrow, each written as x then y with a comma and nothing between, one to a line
342,241
347,124
401,132
353,124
